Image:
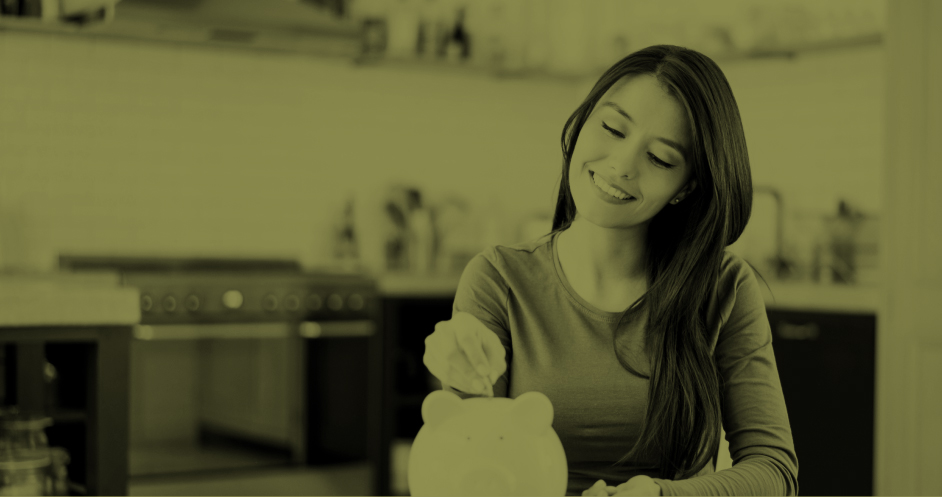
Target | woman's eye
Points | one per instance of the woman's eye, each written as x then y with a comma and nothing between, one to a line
653,157
612,131
659,162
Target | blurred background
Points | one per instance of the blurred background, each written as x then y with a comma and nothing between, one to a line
289,191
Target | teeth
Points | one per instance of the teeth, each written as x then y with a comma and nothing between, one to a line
608,188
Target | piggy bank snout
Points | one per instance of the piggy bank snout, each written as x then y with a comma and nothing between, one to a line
488,480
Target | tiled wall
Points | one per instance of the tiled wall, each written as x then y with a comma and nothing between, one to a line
148,148
815,125
157,149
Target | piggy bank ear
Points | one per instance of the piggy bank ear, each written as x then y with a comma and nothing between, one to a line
532,412
439,406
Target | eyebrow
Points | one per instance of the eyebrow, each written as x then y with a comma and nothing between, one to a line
671,143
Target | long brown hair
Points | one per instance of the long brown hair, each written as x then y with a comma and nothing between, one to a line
686,241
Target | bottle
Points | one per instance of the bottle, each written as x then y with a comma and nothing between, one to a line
345,243
371,228
403,30
458,47
422,240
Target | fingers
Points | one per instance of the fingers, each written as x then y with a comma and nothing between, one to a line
448,363
456,373
639,485
432,358
471,344
465,354
598,488
468,383
490,362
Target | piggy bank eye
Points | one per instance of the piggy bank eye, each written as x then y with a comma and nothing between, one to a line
501,438
469,438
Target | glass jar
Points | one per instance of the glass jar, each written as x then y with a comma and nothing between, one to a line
24,473
24,432
59,471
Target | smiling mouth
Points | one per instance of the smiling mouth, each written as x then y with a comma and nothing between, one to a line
609,191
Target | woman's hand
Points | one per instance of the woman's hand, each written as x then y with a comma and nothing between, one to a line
639,485
600,489
465,354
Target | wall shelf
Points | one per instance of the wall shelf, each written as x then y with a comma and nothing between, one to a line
323,45
347,45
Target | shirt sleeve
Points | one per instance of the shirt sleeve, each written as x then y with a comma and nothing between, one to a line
754,413
482,292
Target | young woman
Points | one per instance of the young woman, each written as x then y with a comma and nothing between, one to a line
643,331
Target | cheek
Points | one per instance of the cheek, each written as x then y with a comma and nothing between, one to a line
575,170
588,149
590,145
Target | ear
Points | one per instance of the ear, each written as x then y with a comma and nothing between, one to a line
689,188
439,406
532,412
684,192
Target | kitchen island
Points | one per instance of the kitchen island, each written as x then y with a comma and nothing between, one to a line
82,325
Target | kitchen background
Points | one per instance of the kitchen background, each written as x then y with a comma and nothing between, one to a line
374,156
142,148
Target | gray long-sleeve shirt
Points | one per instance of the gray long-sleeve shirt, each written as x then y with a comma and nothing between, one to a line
559,344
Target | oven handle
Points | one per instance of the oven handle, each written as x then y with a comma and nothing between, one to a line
337,329
199,331
235,331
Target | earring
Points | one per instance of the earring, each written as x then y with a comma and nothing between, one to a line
675,201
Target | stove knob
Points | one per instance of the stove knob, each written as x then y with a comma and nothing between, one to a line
232,299
192,303
315,302
270,302
355,302
335,302
170,303
147,303
310,329
292,303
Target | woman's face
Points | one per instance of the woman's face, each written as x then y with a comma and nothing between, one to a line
633,143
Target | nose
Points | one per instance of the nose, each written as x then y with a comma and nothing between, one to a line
488,480
627,160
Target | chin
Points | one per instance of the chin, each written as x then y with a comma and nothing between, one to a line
602,219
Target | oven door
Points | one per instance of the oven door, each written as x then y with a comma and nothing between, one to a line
237,382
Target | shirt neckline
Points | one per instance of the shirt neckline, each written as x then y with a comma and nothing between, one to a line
609,316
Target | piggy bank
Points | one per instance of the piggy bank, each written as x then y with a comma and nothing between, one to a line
487,446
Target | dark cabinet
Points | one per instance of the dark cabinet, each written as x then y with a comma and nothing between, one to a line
406,323
826,362
87,400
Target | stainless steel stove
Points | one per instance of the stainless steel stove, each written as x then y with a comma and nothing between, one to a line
242,363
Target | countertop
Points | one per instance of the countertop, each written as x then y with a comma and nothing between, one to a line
806,296
66,300
803,296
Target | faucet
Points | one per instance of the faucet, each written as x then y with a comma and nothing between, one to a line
783,267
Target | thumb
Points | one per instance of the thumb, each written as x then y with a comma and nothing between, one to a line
598,488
